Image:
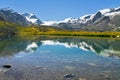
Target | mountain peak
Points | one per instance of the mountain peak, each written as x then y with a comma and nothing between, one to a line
104,11
28,14
32,18
117,9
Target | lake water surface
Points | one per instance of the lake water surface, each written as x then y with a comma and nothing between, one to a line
57,58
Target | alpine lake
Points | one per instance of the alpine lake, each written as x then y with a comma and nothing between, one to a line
59,58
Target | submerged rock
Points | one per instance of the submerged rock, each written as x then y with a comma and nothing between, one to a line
92,64
7,66
105,75
70,67
69,76
39,67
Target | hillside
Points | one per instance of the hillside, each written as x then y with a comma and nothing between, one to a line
9,15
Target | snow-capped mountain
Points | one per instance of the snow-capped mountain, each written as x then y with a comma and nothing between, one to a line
102,19
8,14
32,18
90,17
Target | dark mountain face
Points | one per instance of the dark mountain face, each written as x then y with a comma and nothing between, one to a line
97,16
11,16
7,14
1,18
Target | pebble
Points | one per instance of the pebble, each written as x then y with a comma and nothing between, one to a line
69,76
39,67
5,68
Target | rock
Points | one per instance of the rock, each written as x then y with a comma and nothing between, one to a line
39,67
7,66
105,75
69,76
82,79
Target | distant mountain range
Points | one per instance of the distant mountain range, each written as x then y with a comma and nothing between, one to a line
102,20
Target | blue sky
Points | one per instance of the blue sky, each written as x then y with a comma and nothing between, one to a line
59,9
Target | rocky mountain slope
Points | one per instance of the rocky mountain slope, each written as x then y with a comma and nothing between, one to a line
9,15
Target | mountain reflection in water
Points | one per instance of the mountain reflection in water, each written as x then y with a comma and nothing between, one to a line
103,47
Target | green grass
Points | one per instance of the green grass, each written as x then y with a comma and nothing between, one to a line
56,32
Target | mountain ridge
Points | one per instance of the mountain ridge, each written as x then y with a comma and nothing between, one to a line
104,12
102,20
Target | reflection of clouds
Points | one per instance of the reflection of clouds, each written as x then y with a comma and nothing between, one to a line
82,45
31,46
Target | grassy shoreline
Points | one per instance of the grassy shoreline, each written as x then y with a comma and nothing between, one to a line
71,33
